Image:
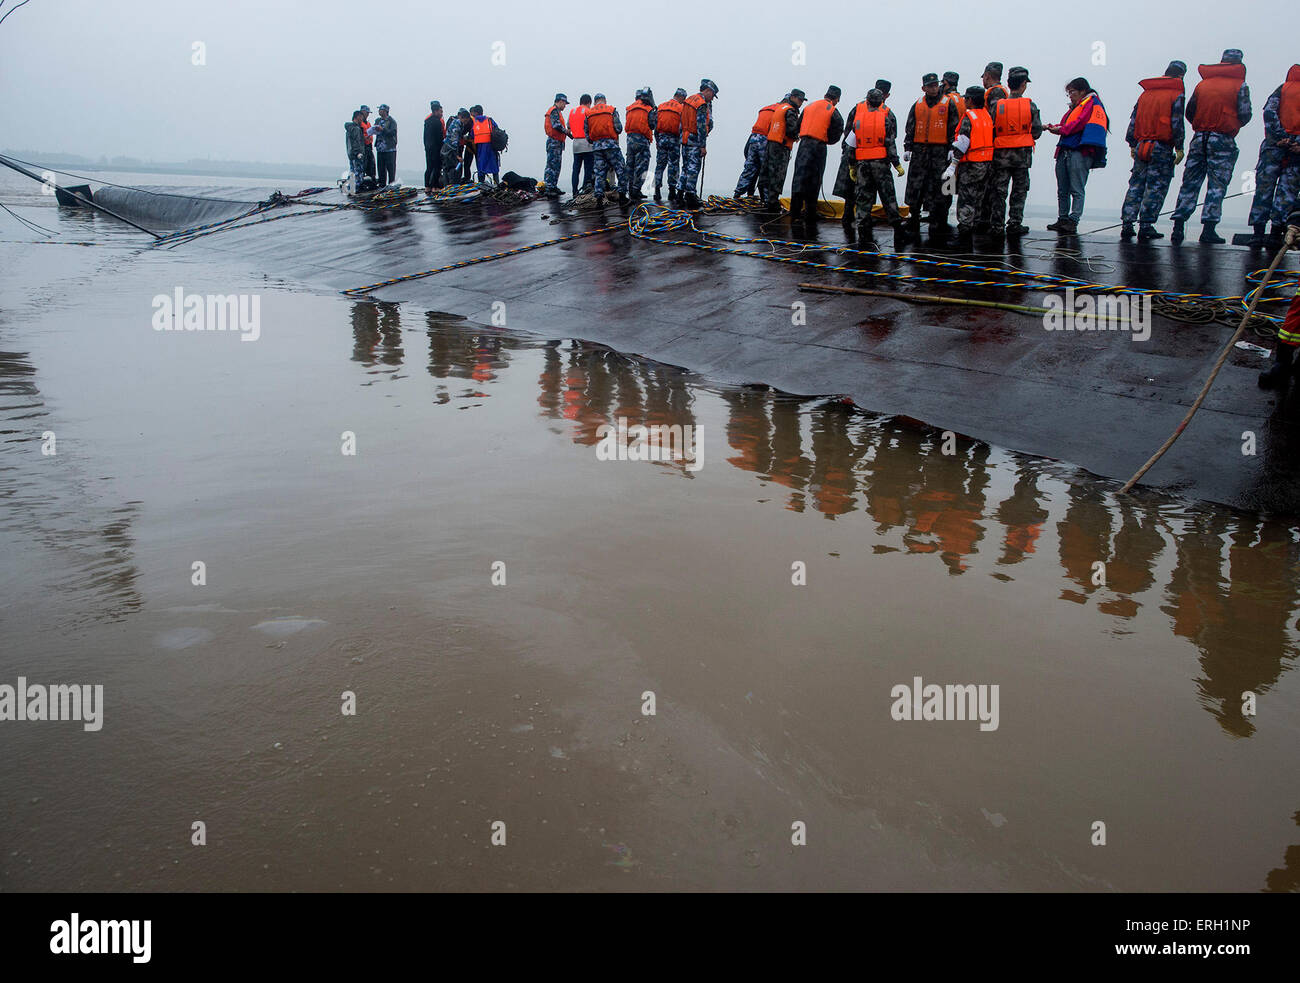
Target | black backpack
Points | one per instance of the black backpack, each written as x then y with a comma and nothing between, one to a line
500,138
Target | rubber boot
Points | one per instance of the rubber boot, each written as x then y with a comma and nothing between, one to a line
1126,232
1209,235
692,202
810,206
914,228
1277,374
900,236
796,208
1259,235
1276,237
1177,235
866,236
659,198
1147,232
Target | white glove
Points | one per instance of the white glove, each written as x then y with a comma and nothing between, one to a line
907,156
950,173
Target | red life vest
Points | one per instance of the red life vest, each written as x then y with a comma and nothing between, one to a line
764,121
670,117
365,130
989,91
638,119
776,129
551,131
600,123
689,115
817,120
869,132
1154,121
1013,123
931,122
1216,99
482,130
578,122
981,135
1288,109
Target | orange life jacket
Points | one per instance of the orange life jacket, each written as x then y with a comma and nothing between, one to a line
776,130
1216,99
817,120
578,122
931,122
551,131
689,115
981,135
869,132
1288,109
637,119
482,130
670,117
1153,123
365,130
1012,123
764,121
996,85
600,123
958,102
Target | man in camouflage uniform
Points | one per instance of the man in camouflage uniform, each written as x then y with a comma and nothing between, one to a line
607,154
668,144
994,91
810,162
695,142
1011,166
927,162
1148,185
451,147
973,176
755,151
1211,158
1275,176
776,156
874,178
555,146
638,144
948,89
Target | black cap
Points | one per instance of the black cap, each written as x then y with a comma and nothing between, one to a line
875,97
1017,75
929,78
435,104
884,86
952,78
974,90
561,95
993,68
680,93
709,84
1176,69
797,94
832,92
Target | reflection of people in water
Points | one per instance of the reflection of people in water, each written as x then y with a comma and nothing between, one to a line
749,431
789,465
1083,535
1021,514
1129,570
376,333
835,454
893,473
1286,879
950,504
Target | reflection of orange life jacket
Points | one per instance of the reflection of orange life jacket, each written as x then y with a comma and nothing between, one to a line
578,123
1013,123
764,121
931,122
637,119
600,123
365,130
551,131
1288,107
776,129
690,119
869,132
482,130
958,103
817,120
1154,122
1216,99
670,117
981,135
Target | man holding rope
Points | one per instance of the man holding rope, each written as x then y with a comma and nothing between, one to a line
1288,332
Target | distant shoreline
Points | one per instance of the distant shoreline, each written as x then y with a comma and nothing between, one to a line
230,168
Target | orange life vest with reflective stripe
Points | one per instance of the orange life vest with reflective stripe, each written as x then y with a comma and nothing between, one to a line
817,120
776,130
600,123
1013,123
690,112
1216,99
958,103
1155,111
482,130
1288,108
365,131
931,122
551,131
764,121
869,132
637,119
989,91
981,135
670,117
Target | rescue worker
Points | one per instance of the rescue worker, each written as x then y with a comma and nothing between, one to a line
1279,160
668,144
1288,333
603,128
972,158
370,141
1218,109
927,136
355,144
874,144
583,159
846,175
385,133
948,89
640,125
556,131
697,121
781,135
487,159
820,125
756,150
452,143
1082,147
1016,125
994,91
434,133
1155,137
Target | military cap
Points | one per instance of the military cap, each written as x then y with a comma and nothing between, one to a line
994,68
561,97
875,97
1019,72
951,77
884,86
709,83
929,78
679,94
797,93
1232,56
1176,69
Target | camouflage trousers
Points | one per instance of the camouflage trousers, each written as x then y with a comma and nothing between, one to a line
1287,196
692,160
755,149
875,177
668,154
554,161
1268,171
450,165
638,160
973,177
1009,186
1148,186
607,156
776,161
357,165
1210,158
925,181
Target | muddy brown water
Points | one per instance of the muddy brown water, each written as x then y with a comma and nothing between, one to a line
481,703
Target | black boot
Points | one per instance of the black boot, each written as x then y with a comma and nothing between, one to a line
796,208
1276,237
1259,236
1147,232
900,236
1126,232
692,202
1177,235
1276,376
965,240
659,198
866,236
1209,235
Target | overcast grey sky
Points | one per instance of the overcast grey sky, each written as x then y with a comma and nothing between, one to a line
96,77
